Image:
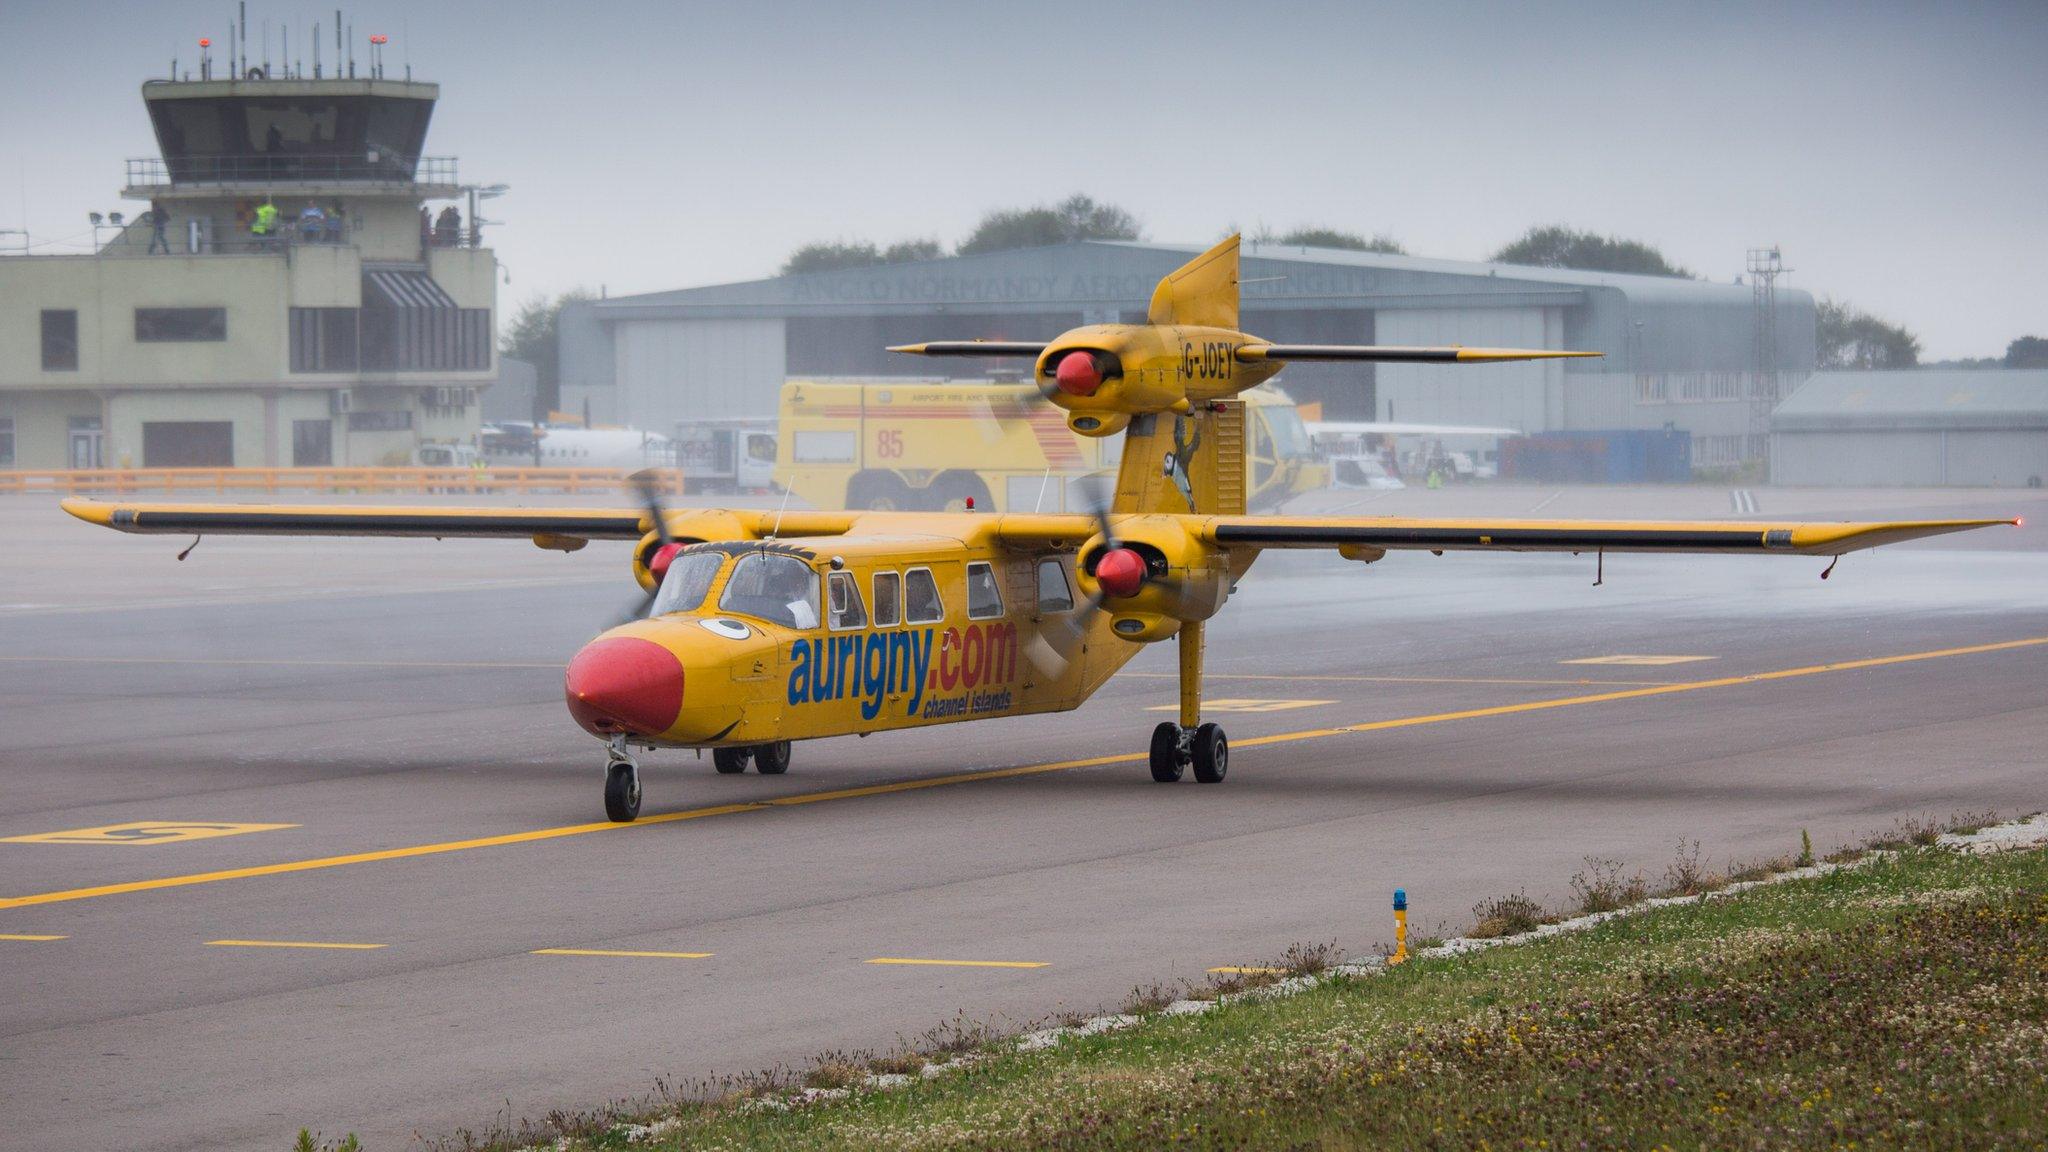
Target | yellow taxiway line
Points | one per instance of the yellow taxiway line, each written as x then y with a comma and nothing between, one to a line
292,944
29,937
1206,676
962,963
917,785
619,952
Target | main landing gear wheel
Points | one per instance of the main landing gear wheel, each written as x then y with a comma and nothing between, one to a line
771,759
622,791
729,761
1211,754
1166,754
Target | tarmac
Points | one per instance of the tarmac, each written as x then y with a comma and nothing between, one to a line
376,893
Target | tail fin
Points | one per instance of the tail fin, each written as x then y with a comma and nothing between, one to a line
1185,464
1202,292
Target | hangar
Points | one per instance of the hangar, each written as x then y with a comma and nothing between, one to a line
1924,428
1679,353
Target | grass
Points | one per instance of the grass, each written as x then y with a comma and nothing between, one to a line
1902,1003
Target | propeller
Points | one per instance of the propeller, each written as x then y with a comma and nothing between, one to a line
1119,571
647,482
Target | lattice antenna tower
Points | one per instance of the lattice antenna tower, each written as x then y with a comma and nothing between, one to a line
1764,265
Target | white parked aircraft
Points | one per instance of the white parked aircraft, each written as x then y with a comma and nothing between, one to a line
512,444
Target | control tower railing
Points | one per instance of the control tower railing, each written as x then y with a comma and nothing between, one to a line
152,174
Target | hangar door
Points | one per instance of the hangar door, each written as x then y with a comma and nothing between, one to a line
188,444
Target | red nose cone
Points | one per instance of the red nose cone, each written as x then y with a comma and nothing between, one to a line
1121,572
624,684
1077,374
657,564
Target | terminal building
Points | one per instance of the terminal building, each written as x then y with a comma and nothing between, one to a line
1679,353
347,334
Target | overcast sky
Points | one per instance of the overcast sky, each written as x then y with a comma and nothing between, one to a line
1897,152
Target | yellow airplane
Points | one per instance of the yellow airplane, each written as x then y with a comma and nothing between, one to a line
760,628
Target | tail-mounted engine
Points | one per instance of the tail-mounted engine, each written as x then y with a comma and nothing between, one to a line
1153,577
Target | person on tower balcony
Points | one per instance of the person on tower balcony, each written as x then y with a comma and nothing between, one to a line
264,228
159,218
447,227
312,222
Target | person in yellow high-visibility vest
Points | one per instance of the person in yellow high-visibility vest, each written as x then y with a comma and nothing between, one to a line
265,224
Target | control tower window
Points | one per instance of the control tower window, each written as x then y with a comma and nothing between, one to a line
60,340
180,325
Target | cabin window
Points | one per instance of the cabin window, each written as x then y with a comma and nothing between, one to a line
843,594
984,599
888,599
774,587
921,597
688,581
1054,594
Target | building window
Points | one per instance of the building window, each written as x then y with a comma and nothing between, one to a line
426,339
312,443
380,421
6,441
180,325
60,340
324,339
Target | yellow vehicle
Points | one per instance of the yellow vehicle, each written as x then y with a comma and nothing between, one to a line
933,445
764,626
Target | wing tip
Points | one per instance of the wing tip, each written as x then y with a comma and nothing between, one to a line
90,511
908,349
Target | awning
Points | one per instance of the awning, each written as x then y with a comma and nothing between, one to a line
403,288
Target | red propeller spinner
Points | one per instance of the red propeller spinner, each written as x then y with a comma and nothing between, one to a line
1077,374
1120,572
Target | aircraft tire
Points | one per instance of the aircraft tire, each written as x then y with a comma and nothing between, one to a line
729,761
621,793
878,492
1165,754
1212,754
771,759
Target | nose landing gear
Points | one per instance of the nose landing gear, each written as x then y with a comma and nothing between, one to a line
1190,743
621,782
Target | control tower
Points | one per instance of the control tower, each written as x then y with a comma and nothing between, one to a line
318,292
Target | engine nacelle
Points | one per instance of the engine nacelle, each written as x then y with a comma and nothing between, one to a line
1174,579
685,528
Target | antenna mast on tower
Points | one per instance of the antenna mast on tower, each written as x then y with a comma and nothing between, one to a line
1764,265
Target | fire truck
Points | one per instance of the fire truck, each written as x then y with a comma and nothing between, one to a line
933,445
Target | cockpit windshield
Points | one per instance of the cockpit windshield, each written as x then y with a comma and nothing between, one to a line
689,578
1290,438
773,587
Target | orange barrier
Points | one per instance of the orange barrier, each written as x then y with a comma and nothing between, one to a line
125,481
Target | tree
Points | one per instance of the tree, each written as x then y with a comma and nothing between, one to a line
1557,246
905,251
534,335
831,257
1849,337
2027,352
824,257
1332,238
1078,217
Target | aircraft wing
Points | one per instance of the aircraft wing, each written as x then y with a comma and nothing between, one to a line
149,518
972,348
1386,533
1395,354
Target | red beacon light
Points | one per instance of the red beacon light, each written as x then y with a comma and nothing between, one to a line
204,42
380,39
